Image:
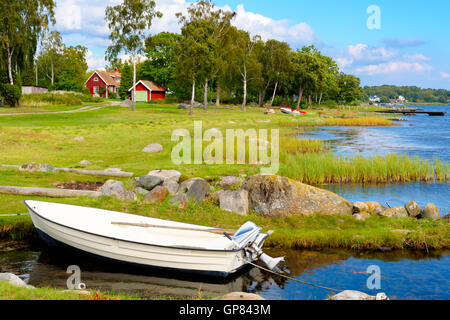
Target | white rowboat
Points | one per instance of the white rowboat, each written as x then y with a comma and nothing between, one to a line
145,241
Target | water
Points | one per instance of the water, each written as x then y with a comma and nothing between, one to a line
403,275
422,135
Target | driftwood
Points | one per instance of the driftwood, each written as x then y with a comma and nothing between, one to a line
48,192
86,172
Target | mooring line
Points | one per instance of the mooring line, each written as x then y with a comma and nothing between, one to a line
14,215
291,278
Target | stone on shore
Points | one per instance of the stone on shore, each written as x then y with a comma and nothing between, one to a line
85,162
37,167
276,196
431,211
413,209
357,295
141,191
12,279
395,212
126,103
241,296
187,184
116,189
216,195
361,216
198,190
234,201
153,148
372,205
180,200
229,181
79,139
148,182
172,186
379,211
166,174
360,207
158,194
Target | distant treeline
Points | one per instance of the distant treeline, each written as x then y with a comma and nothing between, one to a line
411,93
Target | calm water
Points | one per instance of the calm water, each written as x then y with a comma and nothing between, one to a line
422,135
403,275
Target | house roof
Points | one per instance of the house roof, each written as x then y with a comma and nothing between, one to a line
108,78
151,85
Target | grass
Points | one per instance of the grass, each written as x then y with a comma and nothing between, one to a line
67,99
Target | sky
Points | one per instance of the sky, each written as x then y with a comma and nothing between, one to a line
399,42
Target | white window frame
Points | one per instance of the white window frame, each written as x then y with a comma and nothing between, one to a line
96,88
95,79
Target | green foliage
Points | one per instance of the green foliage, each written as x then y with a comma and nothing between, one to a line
10,94
411,93
126,81
67,99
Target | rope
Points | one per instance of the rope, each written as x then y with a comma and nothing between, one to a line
14,215
291,278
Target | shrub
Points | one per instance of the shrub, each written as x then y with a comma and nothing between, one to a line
10,93
67,99
330,104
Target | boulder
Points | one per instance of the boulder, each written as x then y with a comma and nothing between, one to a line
171,186
85,162
216,195
361,216
275,196
153,148
116,189
183,106
166,174
234,201
372,205
198,190
113,170
431,211
187,184
413,209
395,212
148,182
141,191
229,181
379,211
37,167
360,207
180,200
269,111
241,296
12,279
158,194
126,103
357,295
79,139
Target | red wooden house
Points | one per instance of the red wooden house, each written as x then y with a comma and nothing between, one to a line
149,90
110,81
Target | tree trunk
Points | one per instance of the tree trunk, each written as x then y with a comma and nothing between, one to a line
10,53
320,98
191,110
53,74
244,100
300,96
261,97
205,95
274,94
218,95
309,102
36,70
133,93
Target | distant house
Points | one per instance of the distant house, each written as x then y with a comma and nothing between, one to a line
102,80
149,90
374,99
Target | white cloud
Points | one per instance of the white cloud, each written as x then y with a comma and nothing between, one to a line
94,62
393,67
445,75
68,15
417,57
368,53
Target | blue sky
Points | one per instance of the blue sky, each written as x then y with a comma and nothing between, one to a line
410,48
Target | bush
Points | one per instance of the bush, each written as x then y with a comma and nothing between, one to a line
330,104
11,94
67,99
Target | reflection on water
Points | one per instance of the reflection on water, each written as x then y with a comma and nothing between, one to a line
424,136
397,194
404,275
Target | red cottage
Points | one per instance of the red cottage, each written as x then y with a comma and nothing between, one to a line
110,81
149,90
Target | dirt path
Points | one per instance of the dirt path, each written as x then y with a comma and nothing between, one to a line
82,109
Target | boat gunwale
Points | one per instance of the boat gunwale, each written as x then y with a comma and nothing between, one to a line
135,242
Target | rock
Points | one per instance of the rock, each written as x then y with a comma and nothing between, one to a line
113,170
85,162
158,194
166,174
431,212
269,111
216,195
357,295
361,216
12,279
126,103
395,212
116,189
241,296
404,231
229,181
172,186
79,139
198,190
153,148
372,205
360,207
183,106
148,182
413,209
37,167
275,196
379,211
187,184
180,200
141,191
234,201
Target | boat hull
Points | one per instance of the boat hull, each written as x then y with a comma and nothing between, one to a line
212,262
